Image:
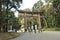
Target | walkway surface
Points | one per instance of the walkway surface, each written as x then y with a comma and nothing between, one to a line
46,35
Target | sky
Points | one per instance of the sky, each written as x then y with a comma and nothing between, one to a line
27,4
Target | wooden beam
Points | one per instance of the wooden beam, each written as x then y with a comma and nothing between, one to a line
39,22
25,21
29,12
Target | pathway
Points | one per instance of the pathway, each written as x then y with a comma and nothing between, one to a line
46,35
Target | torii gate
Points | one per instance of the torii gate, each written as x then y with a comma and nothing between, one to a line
32,14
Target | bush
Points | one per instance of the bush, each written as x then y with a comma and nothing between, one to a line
51,29
57,29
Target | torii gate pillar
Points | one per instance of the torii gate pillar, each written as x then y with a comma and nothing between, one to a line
25,22
39,22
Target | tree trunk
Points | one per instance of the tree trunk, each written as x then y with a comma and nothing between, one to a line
0,16
7,17
45,22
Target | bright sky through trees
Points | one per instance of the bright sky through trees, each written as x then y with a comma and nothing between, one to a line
27,4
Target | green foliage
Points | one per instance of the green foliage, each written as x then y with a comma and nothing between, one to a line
56,5
37,6
6,15
16,24
11,3
34,21
51,13
12,20
51,29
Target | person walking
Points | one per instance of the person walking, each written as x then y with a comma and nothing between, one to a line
34,28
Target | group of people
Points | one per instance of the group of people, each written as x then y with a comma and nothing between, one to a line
34,28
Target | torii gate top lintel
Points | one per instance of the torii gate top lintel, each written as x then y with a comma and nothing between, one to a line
30,12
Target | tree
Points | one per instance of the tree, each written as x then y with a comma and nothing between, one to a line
56,5
37,6
8,5
12,21
16,24
0,15
48,13
11,3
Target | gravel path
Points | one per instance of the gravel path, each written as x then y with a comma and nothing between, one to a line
46,35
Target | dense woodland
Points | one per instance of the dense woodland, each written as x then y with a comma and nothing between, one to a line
7,17
51,12
50,19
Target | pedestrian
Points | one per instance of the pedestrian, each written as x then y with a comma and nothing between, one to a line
34,28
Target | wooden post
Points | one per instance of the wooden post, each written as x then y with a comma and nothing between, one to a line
39,22
25,22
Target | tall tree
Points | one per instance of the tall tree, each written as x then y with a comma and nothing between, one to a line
8,5
48,12
37,5
0,15
56,5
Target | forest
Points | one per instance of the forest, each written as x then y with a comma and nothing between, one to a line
51,12
50,19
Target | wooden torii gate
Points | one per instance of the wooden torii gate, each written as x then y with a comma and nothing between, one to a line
32,13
